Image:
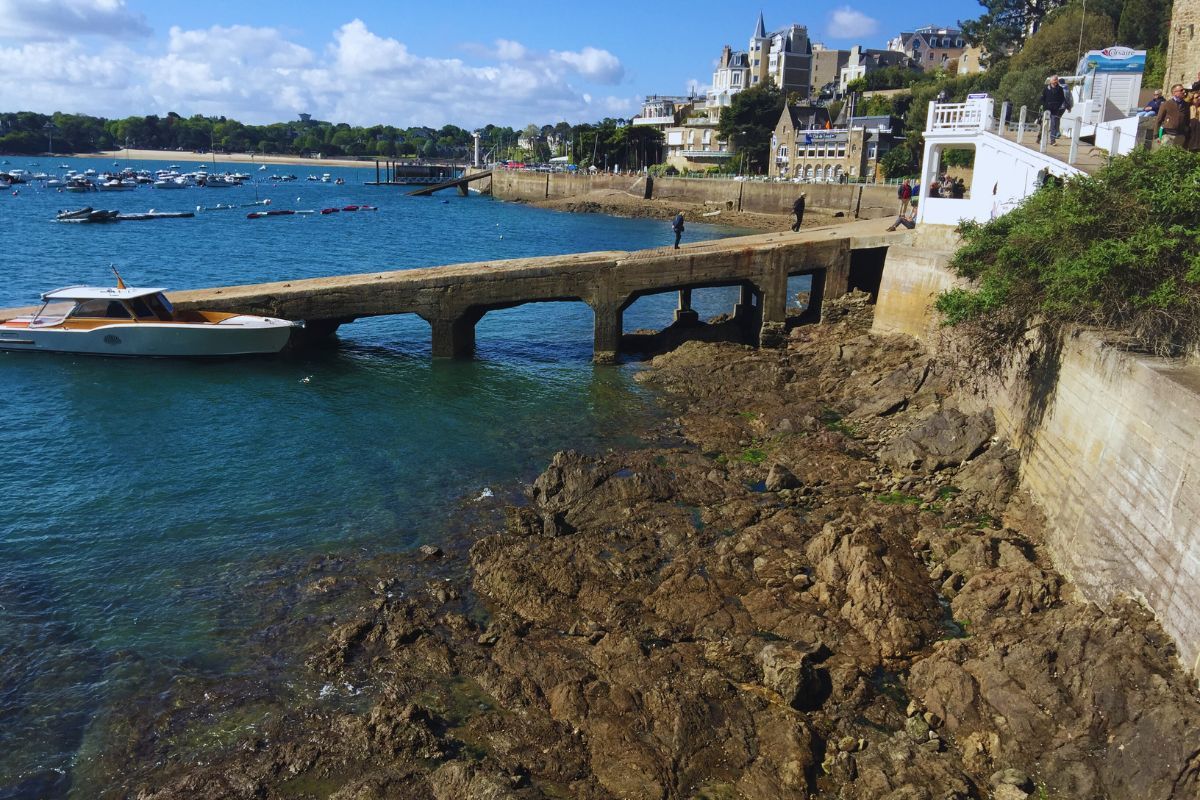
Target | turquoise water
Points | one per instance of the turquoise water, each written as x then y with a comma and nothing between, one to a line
137,493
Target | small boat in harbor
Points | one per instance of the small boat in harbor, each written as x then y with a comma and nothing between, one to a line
128,321
86,214
116,185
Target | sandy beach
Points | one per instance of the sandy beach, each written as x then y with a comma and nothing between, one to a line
180,156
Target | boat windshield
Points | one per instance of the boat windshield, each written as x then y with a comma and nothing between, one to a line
51,313
106,309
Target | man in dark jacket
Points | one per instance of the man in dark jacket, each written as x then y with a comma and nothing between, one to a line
677,226
1054,100
798,210
1174,118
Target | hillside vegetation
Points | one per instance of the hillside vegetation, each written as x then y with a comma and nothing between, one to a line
1118,250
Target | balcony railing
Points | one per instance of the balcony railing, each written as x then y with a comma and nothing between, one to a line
706,154
973,115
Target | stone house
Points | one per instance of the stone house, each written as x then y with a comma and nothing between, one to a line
931,47
806,147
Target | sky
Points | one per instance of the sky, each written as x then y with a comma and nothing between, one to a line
399,62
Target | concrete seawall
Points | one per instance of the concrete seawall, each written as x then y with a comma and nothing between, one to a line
862,201
1114,460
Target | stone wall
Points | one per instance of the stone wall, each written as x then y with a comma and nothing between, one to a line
867,202
1183,44
1113,461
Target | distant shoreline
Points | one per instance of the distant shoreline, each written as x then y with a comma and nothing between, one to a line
180,156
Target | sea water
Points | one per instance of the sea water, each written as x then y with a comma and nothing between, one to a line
137,494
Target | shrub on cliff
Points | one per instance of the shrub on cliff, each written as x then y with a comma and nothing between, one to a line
1118,250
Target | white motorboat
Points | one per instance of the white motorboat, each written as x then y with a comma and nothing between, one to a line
116,185
128,321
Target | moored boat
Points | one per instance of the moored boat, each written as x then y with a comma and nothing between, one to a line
128,321
87,214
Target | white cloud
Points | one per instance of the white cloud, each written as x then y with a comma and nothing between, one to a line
600,66
258,75
51,20
849,23
510,51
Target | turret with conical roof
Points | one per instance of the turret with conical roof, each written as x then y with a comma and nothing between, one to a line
761,31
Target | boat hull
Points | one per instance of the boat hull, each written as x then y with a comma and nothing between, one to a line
236,336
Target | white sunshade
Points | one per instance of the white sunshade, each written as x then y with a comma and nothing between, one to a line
98,293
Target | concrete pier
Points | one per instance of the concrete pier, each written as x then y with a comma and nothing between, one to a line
452,299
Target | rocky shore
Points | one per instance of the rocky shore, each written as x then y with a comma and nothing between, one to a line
820,582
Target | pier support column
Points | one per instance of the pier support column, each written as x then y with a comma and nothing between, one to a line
816,297
684,313
454,334
606,342
773,332
316,331
745,304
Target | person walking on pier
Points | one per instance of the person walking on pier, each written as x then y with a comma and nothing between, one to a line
1056,100
798,210
677,226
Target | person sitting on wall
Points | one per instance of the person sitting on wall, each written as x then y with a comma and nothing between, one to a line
1152,107
907,218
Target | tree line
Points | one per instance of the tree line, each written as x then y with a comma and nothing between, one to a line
610,142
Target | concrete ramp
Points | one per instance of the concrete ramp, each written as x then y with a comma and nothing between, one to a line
461,183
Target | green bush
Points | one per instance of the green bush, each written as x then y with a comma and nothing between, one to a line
1119,250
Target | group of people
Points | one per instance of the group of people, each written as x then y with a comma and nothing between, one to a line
1177,118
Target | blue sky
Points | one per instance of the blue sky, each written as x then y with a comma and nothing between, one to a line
402,63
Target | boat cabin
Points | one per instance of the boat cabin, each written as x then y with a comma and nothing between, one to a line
100,303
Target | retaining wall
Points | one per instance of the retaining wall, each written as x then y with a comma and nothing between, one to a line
1114,460
865,202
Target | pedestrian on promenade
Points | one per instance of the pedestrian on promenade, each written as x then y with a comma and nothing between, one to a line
1056,100
677,226
798,210
904,194
1174,119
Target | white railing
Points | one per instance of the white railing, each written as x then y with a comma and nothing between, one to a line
973,115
